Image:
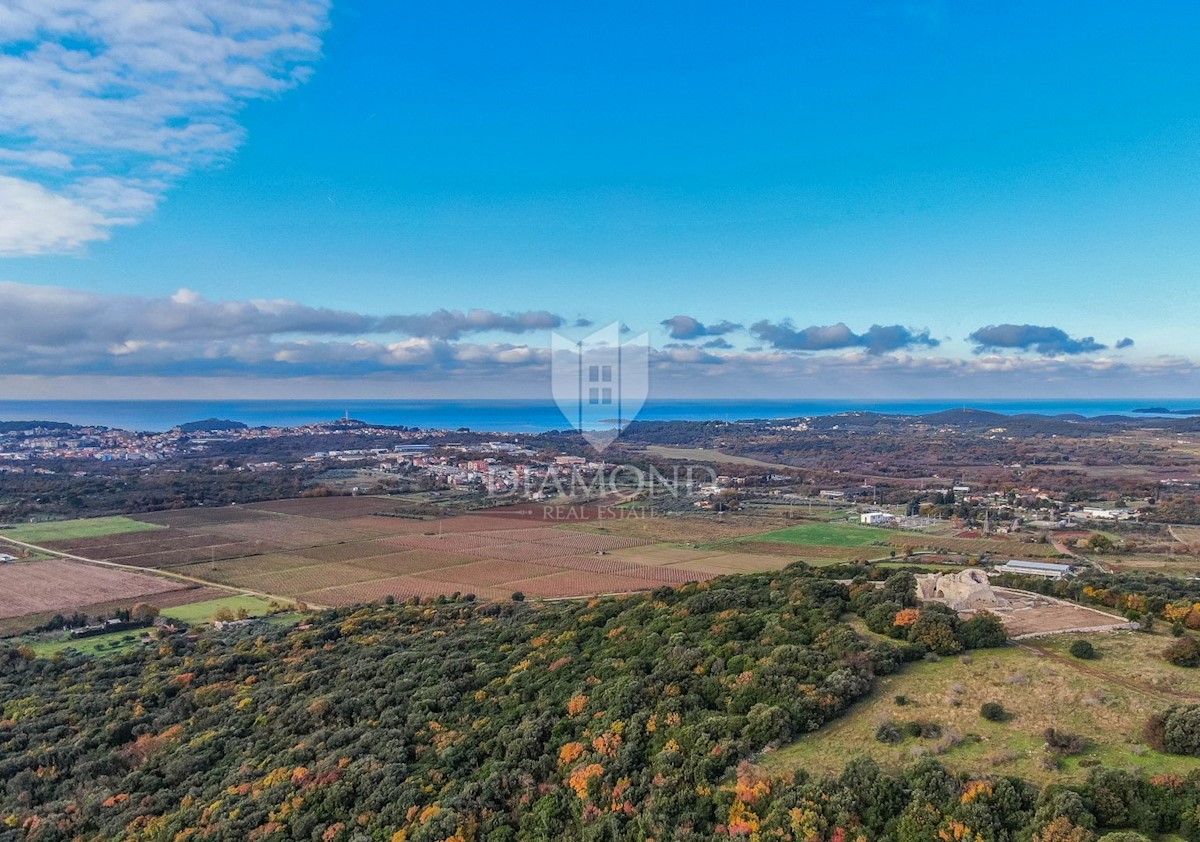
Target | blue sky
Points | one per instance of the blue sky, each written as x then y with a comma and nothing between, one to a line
803,171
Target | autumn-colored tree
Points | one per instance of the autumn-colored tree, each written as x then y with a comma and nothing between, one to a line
1061,830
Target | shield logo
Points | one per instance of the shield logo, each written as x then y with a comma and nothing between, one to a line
599,383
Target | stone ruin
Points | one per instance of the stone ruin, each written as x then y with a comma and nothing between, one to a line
967,590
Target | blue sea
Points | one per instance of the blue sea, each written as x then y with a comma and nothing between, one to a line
513,416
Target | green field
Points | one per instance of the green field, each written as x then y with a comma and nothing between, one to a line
1106,701
202,612
901,564
123,641
101,644
66,530
830,535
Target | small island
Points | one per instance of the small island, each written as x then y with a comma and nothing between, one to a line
1162,410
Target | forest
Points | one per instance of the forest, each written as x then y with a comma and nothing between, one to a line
616,719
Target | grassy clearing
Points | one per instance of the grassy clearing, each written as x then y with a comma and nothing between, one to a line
114,643
828,535
202,612
1106,701
900,564
67,530
111,643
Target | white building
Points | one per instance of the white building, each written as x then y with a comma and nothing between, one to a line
1097,513
877,518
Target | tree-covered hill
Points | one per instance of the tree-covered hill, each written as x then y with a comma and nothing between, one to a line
454,720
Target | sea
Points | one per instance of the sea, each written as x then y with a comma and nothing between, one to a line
517,416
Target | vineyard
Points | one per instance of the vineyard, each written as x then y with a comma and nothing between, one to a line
343,550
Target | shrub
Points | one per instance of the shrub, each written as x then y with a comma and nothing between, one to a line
901,700
1154,732
887,732
983,631
1063,743
1184,652
1083,650
1180,730
920,728
993,712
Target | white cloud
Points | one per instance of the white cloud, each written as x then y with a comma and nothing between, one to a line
61,333
104,102
33,220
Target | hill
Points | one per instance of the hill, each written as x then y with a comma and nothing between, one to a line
211,425
21,426
456,721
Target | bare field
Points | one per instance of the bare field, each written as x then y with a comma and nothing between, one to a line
59,585
696,529
1033,614
1170,564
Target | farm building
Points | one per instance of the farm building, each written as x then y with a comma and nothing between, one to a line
1097,513
1035,568
878,518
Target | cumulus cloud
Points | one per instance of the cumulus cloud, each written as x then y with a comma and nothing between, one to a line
877,339
55,318
1043,340
105,103
687,327
54,332
452,324
1124,343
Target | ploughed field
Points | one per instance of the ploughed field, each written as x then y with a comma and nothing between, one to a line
53,585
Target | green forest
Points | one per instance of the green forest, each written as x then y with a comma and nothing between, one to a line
637,718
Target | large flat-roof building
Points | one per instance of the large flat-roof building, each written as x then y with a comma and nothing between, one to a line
1035,568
